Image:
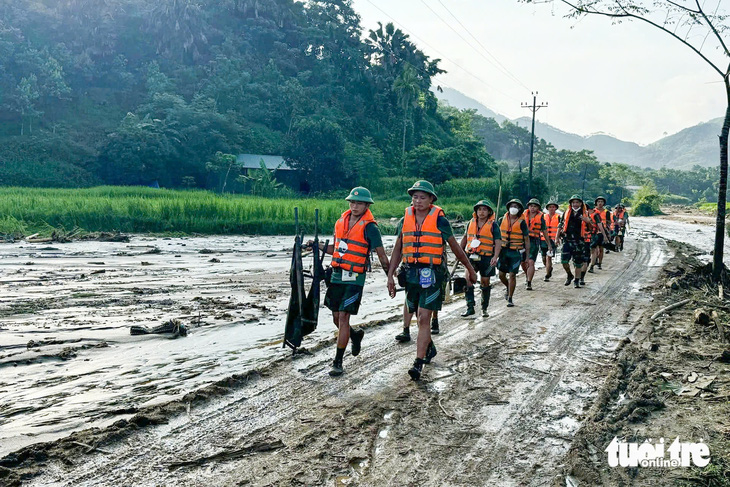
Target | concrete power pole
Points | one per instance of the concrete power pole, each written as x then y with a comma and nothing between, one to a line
534,107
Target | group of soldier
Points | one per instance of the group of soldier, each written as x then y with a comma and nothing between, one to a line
418,261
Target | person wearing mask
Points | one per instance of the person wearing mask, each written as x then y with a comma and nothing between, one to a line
573,229
602,221
515,246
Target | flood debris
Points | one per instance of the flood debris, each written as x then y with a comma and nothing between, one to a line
174,328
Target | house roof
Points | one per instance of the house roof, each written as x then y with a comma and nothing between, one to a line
253,161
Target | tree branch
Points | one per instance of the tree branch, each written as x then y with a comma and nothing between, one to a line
630,15
717,34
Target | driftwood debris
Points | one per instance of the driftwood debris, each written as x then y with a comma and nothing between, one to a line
671,307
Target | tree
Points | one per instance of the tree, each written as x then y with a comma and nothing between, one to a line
317,149
221,165
680,19
406,86
24,101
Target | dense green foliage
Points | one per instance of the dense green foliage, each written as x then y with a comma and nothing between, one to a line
129,92
647,201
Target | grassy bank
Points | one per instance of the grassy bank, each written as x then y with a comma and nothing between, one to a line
24,211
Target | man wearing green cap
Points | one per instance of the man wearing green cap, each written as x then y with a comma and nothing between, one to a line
515,246
535,220
482,243
423,234
356,235
603,221
573,230
552,220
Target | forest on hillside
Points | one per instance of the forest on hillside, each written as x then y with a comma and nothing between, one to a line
133,92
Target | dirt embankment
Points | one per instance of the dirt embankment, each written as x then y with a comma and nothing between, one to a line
672,380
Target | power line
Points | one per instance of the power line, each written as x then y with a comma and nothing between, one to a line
505,70
408,31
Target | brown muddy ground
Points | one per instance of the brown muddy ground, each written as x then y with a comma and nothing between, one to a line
500,405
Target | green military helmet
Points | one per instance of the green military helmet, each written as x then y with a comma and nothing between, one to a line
486,203
600,198
575,197
515,200
360,194
535,201
424,186
552,203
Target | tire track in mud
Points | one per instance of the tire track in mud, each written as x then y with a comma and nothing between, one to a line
478,405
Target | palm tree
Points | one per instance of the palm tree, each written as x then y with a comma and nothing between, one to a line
406,87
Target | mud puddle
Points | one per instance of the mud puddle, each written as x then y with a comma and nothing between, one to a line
67,360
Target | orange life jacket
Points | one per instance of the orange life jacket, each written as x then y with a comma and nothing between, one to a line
534,225
424,244
605,217
619,215
552,226
512,235
356,256
584,228
484,235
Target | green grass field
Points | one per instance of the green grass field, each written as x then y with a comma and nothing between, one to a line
24,211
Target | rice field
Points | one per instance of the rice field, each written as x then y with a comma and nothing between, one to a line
24,211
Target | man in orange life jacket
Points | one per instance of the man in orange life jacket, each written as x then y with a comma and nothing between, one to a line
552,221
422,235
574,227
356,235
535,219
482,243
620,221
603,221
515,245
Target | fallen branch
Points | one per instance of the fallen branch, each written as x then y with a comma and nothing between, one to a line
444,410
670,308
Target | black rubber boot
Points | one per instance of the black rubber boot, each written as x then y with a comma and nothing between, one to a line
470,302
356,339
510,304
486,294
430,353
435,330
569,279
404,336
337,368
529,286
415,371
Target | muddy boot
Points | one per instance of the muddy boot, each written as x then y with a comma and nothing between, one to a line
415,371
486,294
356,339
582,281
435,330
337,368
430,353
569,279
470,302
590,269
599,266
510,304
404,336
529,286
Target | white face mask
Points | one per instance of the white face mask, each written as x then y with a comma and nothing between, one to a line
513,211
576,208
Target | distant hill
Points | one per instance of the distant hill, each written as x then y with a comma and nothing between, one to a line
695,145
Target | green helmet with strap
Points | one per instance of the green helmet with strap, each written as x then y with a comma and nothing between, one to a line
600,198
515,200
360,194
553,203
486,203
424,186
534,201
575,197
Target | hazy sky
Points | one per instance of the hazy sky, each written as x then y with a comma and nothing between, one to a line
629,80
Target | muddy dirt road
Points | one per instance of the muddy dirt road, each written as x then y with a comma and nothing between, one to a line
499,405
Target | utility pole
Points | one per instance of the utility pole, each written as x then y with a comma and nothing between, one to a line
534,107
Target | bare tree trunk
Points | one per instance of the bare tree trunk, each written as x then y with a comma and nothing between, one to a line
717,263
